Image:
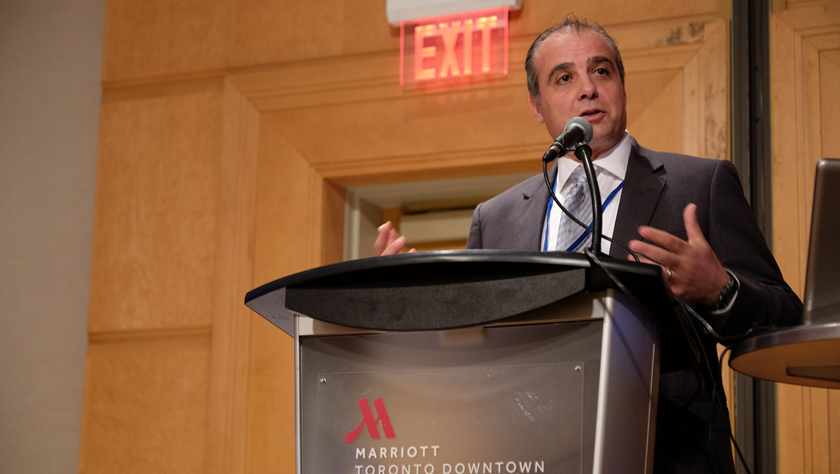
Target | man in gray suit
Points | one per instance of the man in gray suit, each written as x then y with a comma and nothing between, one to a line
687,214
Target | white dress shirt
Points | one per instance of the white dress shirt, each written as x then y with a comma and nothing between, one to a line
613,164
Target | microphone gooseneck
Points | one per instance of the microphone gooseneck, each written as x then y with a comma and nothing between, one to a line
584,154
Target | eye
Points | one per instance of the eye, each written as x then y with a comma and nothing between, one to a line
563,79
602,71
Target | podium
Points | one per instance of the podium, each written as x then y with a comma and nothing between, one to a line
474,361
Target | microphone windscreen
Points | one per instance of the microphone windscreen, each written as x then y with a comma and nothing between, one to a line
582,123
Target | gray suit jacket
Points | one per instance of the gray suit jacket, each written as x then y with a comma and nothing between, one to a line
657,187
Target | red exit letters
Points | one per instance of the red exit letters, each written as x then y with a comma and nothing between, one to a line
441,48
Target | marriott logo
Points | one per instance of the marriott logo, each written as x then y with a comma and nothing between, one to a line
370,422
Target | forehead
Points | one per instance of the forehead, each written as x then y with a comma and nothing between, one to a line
572,48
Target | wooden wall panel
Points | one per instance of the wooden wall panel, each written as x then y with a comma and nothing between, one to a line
161,38
677,87
536,16
154,235
158,223
277,32
829,61
290,198
145,407
805,39
410,127
233,277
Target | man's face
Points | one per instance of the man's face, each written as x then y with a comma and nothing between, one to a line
578,77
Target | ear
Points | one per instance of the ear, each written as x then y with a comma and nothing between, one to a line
535,108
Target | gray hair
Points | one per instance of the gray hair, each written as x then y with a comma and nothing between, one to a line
570,24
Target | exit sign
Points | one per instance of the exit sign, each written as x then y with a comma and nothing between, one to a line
439,49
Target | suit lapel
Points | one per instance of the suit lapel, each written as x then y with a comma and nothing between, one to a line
531,209
643,185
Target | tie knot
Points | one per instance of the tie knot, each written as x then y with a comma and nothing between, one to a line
579,174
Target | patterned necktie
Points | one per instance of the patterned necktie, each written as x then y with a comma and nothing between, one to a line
572,237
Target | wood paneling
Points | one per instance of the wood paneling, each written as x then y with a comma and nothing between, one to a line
283,31
161,38
805,40
288,240
233,272
658,18
156,198
145,407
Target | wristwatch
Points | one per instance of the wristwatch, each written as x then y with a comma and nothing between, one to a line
728,293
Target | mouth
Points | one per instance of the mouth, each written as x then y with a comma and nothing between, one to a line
592,114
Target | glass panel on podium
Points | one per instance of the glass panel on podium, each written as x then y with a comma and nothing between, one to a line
499,399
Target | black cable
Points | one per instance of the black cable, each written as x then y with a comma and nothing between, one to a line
738,450
583,153
725,340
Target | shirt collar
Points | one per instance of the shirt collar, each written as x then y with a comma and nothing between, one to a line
613,161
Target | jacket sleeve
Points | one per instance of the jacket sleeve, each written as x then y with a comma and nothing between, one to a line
474,239
764,298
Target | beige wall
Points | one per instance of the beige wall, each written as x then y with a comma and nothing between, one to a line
50,63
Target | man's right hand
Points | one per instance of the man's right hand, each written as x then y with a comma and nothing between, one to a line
389,242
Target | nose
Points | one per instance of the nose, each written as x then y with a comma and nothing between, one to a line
588,89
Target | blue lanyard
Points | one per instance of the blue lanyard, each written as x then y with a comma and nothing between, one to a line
586,232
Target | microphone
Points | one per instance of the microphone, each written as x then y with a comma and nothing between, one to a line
578,132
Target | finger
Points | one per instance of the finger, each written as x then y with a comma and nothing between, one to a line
646,259
634,245
382,233
662,238
394,247
385,237
692,227
651,253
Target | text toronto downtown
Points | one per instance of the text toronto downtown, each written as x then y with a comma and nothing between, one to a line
427,452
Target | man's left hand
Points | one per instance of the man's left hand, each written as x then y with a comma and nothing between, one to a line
692,268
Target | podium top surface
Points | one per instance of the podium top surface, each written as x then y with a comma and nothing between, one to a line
448,289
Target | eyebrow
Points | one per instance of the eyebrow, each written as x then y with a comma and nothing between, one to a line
558,68
600,60
590,62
